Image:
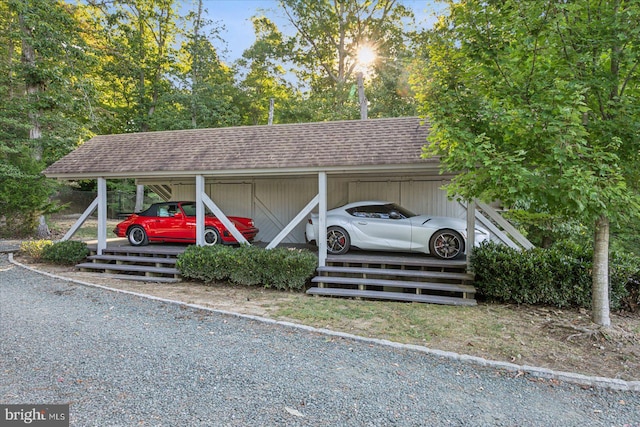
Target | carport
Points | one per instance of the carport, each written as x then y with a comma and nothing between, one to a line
307,165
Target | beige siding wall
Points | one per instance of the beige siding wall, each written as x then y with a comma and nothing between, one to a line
273,203
428,197
418,195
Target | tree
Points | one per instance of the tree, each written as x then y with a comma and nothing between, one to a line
138,42
329,35
265,77
45,96
206,88
538,101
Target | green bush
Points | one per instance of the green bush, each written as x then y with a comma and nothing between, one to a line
280,268
34,248
624,277
559,276
68,252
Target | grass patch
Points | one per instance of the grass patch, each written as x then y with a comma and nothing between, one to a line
396,321
88,231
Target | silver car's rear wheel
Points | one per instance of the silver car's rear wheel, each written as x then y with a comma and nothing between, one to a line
338,241
446,244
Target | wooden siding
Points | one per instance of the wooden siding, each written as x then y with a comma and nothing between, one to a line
273,203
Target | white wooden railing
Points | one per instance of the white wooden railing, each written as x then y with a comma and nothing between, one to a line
499,227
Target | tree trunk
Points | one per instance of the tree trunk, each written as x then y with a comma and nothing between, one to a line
195,66
33,88
600,284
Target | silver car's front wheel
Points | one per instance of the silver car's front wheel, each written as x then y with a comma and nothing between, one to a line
446,244
338,241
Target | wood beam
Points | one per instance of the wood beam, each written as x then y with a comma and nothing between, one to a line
223,218
321,238
199,210
102,215
292,224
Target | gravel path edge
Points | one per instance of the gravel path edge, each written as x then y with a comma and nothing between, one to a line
569,377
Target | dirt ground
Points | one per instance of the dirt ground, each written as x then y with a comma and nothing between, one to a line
563,340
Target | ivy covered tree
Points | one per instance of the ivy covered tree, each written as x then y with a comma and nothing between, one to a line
539,101
46,102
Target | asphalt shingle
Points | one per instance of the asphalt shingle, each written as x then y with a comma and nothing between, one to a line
391,141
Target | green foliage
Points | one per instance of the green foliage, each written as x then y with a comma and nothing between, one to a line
538,101
24,196
280,268
69,252
559,276
45,103
34,248
625,236
543,229
517,113
324,54
624,279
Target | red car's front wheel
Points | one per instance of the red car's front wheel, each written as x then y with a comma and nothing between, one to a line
211,236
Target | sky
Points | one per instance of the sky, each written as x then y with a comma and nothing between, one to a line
235,16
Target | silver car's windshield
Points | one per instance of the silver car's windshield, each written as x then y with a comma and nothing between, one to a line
402,211
386,211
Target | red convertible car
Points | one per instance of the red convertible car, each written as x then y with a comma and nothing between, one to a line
176,222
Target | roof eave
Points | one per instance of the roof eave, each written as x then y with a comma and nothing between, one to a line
431,165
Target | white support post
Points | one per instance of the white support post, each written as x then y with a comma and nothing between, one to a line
471,230
321,238
102,215
199,210
292,224
223,219
139,198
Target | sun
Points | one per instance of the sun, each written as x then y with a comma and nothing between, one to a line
366,56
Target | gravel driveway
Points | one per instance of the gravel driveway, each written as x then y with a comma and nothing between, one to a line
123,360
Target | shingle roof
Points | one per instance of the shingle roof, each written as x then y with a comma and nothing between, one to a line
309,146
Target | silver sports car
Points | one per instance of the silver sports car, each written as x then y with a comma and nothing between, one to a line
385,226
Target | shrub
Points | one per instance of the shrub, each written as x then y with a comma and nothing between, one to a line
560,276
624,277
280,268
34,248
68,252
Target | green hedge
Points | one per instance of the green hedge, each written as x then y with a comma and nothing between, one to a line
559,276
68,252
280,268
